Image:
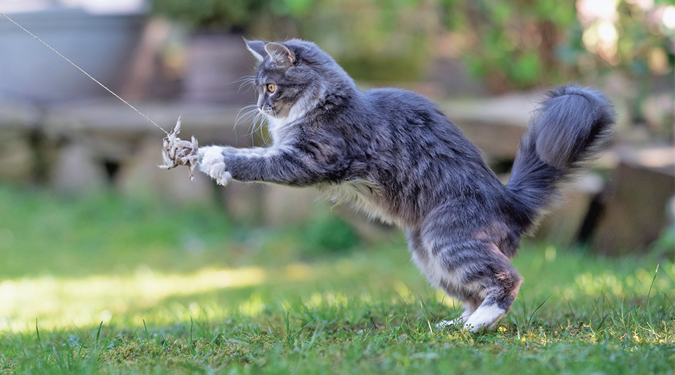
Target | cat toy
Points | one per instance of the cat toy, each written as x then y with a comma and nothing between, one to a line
175,152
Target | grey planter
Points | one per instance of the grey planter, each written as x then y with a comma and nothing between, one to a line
101,45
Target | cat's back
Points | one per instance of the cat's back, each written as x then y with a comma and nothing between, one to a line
410,111
403,103
417,118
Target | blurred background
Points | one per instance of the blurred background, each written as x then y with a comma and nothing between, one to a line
81,194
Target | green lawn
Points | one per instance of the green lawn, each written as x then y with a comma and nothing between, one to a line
122,286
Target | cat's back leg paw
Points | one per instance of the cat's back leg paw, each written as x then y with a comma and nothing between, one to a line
457,322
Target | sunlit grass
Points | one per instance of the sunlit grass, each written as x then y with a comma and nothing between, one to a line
63,302
208,297
59,303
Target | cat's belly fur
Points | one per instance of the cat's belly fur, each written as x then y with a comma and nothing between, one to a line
363,195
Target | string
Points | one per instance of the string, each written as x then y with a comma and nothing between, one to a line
87,74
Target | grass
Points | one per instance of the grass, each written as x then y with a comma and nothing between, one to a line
107,285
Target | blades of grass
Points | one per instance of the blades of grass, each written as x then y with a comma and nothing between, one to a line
602,322
529,320
523,303
79,334
215,338
287,317
207,355
276,333
426,314
316,332
37,331
192,344
170,334
603,300
424,307
147,336
56,355
572,314
192,323
98,335
294,323
612,316
672,306
300,330
649,293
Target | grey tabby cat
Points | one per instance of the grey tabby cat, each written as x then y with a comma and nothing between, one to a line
395,156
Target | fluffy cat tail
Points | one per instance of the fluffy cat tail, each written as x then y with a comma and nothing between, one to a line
569,128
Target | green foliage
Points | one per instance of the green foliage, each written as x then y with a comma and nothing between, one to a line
377,41
382,69
373,40
292,7
521,44
329,233
228,14
511,43
210,13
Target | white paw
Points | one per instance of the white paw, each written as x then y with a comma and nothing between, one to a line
445,324
454,322
213,164
485,317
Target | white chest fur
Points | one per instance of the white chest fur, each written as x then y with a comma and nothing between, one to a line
276,126
363,194
279,126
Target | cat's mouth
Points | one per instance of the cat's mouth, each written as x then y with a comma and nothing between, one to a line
276,111
267,111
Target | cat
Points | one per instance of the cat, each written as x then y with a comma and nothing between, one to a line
394,155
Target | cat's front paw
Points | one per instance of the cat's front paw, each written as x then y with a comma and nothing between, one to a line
212,162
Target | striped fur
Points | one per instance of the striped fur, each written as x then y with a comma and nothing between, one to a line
398,158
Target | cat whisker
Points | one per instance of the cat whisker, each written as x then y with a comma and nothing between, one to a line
242,79
261,129
251,108
260,122
257,124
247,82
254,126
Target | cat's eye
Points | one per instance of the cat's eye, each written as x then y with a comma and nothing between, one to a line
271,87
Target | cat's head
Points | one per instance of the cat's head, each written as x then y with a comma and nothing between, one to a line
293,76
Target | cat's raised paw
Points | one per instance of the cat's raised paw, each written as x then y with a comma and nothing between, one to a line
213,163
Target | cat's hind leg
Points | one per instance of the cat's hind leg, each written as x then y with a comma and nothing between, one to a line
493,279
469,303
504,286
487,283
467,262
427,264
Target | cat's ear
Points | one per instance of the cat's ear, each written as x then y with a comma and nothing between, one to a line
280,54
257,48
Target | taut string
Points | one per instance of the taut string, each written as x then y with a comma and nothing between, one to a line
87,74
